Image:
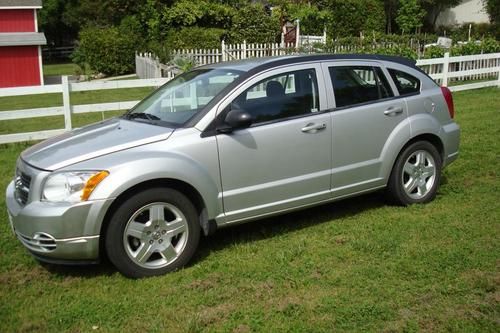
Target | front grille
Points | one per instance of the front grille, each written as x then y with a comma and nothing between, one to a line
22,184
40,242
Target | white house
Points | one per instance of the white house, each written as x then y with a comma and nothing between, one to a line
469,11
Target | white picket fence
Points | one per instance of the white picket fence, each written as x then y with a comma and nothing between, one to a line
66,109
229,52
149,66
482,67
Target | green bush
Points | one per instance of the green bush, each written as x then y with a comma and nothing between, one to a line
466,49
421,39
253,24
490,45
183,13
493,10
461,32
397,50
201,13
402,45
434,52
312,20
106,50
195,38
410,15
384,40
159,49
350,17
487,45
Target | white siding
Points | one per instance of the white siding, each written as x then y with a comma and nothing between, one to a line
469,11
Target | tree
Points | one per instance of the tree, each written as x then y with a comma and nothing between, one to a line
390,8
493,9
50,20
102,13
106,50
254,24
410,15
350,17
312,19
61,20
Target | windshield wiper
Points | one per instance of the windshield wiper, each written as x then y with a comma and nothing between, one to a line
141,115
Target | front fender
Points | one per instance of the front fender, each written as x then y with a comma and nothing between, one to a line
130,168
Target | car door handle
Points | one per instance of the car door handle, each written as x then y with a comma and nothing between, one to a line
313,128
393,111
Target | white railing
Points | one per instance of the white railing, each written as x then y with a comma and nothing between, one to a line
484,67
229,52
66,109
149,66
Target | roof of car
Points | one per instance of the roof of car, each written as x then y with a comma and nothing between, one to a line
268,62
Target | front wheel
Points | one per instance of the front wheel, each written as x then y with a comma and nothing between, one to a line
416,174
153,232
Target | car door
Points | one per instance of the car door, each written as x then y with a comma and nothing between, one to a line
283,160
366,112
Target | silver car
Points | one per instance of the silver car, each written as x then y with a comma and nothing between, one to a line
230,143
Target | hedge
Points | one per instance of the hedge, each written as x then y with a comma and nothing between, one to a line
106,50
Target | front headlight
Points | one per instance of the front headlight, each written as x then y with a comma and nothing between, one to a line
71,186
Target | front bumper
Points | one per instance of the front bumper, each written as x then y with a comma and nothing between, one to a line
57,232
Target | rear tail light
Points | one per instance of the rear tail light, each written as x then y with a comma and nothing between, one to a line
449,101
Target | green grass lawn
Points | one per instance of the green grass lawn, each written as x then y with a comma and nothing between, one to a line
77,98
352,266
61,69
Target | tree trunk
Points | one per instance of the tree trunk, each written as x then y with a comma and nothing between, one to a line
435,14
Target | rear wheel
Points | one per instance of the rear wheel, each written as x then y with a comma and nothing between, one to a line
416,174
153,232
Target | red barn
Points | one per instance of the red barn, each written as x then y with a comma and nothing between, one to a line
20,44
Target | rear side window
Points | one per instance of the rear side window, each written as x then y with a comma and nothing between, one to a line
407,84
358,84
281,96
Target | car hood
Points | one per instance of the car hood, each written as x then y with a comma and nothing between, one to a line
92,141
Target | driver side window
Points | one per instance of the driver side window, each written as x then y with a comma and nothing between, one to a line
281,96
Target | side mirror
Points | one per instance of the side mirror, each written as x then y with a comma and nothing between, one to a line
236,119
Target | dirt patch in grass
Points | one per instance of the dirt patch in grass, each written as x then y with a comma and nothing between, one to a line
33,326
19,275
205,284
216,314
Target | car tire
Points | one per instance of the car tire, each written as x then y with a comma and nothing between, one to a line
152,233
416,174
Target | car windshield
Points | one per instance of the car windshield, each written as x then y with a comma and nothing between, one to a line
183,97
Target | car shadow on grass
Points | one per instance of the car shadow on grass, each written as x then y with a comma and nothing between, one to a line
281,224
103,268
247,232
